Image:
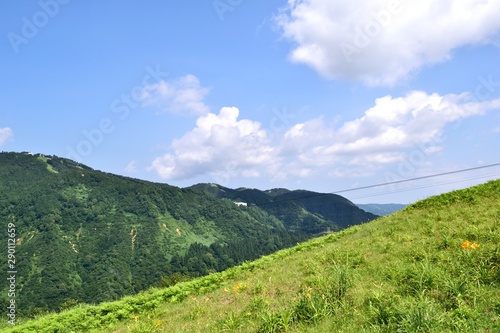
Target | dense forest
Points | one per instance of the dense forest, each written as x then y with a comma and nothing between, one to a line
300,210
85,236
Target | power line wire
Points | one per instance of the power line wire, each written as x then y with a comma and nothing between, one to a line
417,178
424,186
383,184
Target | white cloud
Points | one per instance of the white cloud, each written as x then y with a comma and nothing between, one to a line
131,167
387,130
220,145
182,95
394,128
5,135
381,42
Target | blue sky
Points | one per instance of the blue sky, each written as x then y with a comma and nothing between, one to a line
322,95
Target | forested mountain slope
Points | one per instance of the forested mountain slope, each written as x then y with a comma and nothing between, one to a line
431,267
85,236
300,210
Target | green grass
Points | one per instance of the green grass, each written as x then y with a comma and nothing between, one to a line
406,272
202,232
50,168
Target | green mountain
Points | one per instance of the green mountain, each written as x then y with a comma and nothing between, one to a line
85,236
300,210
432,267
381,209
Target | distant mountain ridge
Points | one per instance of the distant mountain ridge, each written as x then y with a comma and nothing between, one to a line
381,209
320,211
86,236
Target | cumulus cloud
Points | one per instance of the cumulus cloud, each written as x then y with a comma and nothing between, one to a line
381,42
182,95
220,145
387,130
223,146
5,135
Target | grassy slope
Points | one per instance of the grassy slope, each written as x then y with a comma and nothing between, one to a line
406,272
85,236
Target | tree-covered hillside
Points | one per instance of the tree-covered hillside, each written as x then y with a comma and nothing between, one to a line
300,210
431,267
85,236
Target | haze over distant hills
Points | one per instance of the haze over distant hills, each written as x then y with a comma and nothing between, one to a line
381,209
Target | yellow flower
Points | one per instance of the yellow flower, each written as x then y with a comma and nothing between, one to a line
158,323
474,245
136,317
466,244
